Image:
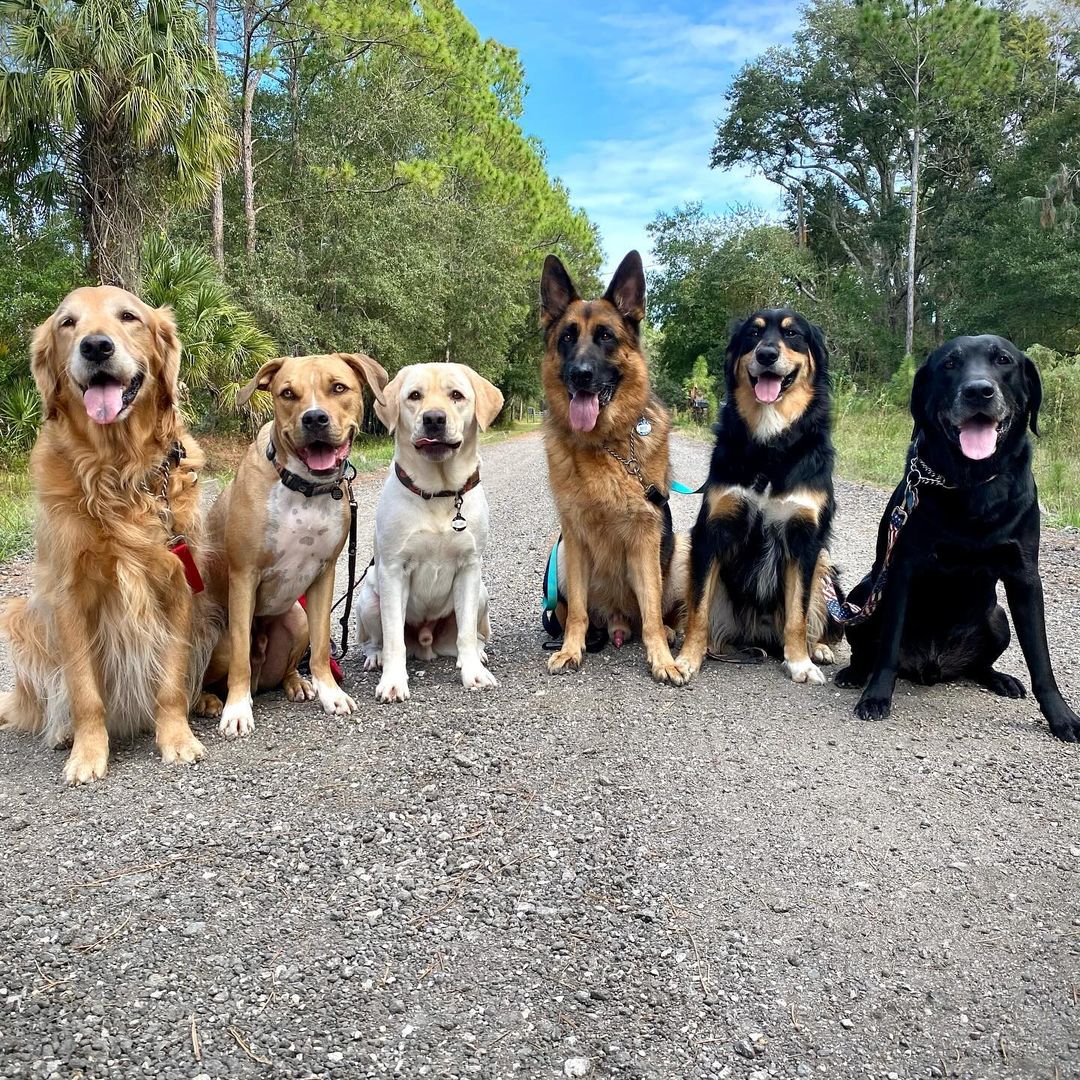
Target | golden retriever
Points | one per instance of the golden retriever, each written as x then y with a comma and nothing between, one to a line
103,647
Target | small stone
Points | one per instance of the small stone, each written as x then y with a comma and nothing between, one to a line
846,1024
575,1066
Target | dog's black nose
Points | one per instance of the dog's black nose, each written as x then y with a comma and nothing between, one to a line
435,420
96,348
580,376
978,391
767,355
315,418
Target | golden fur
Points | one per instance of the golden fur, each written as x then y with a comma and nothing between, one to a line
611,533
103,646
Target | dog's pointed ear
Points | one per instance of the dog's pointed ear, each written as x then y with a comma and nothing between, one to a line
371,371
388,407
169,350
1035,392
557,291
920,397
489,399
44,368
627,289
262,380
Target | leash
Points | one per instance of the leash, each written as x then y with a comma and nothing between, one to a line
918,473
458,524
177,544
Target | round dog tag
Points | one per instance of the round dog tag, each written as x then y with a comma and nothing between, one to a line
644,427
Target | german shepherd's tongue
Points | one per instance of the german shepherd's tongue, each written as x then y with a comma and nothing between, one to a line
584,410
767,388
103,401
978,438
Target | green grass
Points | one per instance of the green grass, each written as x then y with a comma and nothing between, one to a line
16,513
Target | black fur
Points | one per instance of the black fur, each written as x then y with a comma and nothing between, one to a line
939,618
801,456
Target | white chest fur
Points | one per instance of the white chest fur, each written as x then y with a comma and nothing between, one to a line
302,535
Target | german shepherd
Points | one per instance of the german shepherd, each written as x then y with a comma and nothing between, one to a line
758,553
606,437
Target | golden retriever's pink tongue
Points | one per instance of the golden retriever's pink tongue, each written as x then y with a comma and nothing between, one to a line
321,457
978,438
584,409
103,402
767,388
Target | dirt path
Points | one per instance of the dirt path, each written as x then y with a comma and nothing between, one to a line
586,873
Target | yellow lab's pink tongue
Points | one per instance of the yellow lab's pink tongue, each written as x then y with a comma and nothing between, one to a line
584,410
767,388
978,438
103,402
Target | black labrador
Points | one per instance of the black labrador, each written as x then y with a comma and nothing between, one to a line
938,617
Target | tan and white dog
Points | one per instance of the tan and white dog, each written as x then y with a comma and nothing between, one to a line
278,529
424,594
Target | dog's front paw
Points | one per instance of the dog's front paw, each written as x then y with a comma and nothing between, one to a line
207,704
393,686
564,660
666,670
1064,723
181,749
88,761
333,699
823,654
687,665
873,708
477,677
850,678
237,719
297,688
804,671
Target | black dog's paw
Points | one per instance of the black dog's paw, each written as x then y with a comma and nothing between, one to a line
850,679
1004,685
1064,723
873,708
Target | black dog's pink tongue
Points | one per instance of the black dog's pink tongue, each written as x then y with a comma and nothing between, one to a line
584,410
978,438
767,388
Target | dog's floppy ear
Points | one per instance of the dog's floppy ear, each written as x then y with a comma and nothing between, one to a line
388,407
489,399
169,350
557,291
370,370
627,289
1035,391
263,378
729,354
44,368
818,346
920,395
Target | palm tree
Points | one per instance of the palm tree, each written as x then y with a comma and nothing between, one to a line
114,108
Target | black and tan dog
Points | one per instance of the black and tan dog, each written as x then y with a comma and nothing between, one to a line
758,550
606,437
975,524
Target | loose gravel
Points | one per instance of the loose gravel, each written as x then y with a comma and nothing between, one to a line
589,876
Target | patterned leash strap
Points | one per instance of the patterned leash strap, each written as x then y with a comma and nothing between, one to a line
849,614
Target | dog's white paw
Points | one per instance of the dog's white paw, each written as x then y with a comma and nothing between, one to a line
824,655
804,671
237,719
333,699
393,686
474,676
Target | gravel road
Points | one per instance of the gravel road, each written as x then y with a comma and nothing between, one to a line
583,876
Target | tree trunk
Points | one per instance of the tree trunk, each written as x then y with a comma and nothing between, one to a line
217,198
916,150
247,162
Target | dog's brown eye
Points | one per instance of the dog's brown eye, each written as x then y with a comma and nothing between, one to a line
67,321
568,336
415,395
129,316
605,334
288,395
1003,359
456,395
339,388
949,364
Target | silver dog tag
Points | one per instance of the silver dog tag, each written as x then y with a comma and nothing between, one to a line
643,427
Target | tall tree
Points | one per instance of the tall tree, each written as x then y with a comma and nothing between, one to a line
114,107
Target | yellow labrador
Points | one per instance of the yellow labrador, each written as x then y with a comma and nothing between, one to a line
424,595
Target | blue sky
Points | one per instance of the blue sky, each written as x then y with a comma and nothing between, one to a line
625,97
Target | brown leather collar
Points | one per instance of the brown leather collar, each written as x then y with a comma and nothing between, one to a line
458,496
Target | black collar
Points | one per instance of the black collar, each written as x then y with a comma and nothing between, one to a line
458,496
308,488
